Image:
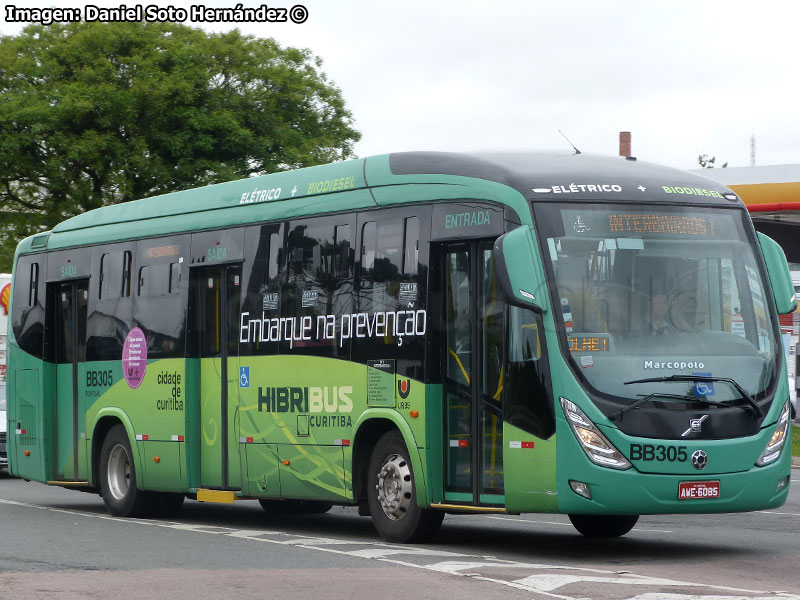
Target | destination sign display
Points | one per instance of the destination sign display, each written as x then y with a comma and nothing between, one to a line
595,342
592,222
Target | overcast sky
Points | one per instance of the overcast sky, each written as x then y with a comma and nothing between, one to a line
686,77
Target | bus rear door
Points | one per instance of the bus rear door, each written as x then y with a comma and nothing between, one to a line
215,293
69,301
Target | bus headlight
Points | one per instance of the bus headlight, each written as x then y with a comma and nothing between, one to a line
777,441
597,447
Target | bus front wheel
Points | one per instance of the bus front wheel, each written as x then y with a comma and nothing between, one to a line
118,478
392,494
603,526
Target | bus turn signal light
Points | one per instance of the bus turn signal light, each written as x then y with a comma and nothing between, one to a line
27,452
414,414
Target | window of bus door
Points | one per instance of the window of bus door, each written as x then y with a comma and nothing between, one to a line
474,314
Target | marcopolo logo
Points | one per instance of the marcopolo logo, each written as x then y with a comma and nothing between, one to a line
673,364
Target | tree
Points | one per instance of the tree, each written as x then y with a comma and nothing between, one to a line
708,163
93,114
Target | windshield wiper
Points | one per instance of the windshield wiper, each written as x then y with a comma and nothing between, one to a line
620,413
705,378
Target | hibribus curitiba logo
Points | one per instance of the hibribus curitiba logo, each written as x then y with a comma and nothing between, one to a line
314,400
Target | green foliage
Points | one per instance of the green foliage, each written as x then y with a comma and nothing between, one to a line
708,163
93,114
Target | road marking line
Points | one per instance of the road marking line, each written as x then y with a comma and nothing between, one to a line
383,552
549,582
380,551
308,541
667,596
774,512
198,528
251,533
452,566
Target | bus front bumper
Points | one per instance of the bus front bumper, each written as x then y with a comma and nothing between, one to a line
632,492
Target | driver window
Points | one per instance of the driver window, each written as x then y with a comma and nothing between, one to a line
526,388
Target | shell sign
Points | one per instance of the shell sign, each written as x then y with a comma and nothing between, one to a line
5,297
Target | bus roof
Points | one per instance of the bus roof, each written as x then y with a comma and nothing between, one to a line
570,176
366,182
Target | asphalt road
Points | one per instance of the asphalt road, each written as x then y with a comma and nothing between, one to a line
57,543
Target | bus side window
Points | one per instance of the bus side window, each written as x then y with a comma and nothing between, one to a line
33,295
160,303
318,289
368,248
27,311
411,246
526,390
389,292
342,252
110,307
275,250
115,275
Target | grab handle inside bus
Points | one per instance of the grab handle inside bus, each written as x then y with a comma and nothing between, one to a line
519,269
779,277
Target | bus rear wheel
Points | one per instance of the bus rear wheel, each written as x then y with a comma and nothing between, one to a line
391,494
603,526
118,478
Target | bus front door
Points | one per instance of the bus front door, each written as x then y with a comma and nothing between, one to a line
216,306
472,360
69,301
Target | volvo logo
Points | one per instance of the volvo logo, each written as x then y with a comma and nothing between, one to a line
695,425
699,460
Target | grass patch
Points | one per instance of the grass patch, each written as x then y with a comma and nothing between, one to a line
795,440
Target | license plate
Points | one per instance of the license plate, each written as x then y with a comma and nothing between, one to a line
698,490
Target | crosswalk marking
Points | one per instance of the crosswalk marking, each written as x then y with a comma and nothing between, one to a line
392,551
663,596
548,582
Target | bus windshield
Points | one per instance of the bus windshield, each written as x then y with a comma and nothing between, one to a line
653,292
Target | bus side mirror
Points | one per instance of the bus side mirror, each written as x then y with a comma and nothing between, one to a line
778,271
519,269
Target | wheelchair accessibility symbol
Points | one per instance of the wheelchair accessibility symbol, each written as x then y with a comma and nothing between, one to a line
244,376
703,388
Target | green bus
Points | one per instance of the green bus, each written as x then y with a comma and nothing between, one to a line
413,334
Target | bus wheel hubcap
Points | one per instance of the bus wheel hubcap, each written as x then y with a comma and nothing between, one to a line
119,472
394,486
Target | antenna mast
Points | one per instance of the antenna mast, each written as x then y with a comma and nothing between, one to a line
570,143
